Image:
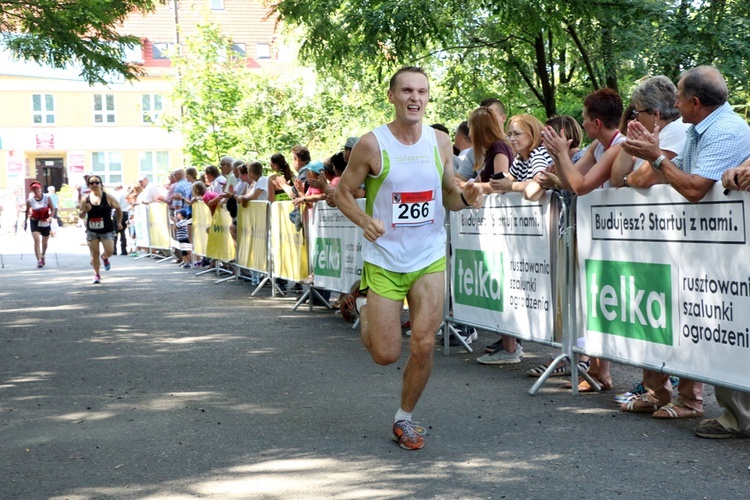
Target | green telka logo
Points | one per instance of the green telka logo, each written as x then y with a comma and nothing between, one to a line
327,257
478,278
630,299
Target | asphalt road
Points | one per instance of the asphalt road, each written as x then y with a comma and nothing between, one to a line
161,384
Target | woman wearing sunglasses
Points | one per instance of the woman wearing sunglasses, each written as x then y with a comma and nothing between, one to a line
96,209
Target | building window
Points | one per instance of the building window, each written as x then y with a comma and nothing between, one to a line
108,166
153,163
104,108
239,49
216,4
43,107
263,50
160,50
151,105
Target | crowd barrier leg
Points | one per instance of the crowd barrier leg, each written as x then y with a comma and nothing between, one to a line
275,288
234,275
162,258
448,329
565,287
239,276
310,294
215,269
142,255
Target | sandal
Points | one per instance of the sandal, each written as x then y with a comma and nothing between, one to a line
642,404
676,410
559,371
584,386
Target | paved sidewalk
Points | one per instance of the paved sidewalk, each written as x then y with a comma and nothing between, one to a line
160,384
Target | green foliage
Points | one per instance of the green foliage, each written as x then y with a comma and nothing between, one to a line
227,109
539,56
82,32
67,196
209,91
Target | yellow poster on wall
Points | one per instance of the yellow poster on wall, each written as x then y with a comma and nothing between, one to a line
288,246
220,242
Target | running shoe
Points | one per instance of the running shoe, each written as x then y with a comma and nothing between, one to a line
492,348
408,435
637,390
97,279
502,357
40,264
107,265
44,262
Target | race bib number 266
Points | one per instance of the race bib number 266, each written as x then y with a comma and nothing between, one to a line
413,209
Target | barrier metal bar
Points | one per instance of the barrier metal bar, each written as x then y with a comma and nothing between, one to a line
235,272
310,293
448,328
215,269
565,290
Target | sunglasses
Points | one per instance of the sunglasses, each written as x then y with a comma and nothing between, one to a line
94,183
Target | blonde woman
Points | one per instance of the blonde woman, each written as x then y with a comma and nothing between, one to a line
525,136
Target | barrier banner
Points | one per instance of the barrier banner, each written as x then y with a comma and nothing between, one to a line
201,222
252,235
501,266
288,245
220,243
336,243
140,219
666,283
158,226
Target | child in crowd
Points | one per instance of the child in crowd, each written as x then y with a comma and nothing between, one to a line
182,222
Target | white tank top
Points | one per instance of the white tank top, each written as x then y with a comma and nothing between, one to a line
38,206
599,152
407,196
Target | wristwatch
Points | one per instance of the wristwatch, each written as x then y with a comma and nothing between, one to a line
657,162
625,180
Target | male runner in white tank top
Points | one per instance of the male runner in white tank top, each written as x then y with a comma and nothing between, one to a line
407,168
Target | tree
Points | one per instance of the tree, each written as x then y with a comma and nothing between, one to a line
208,90
533,53
224,108
61,33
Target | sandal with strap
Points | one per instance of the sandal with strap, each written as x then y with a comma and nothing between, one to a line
641,404
560,370
676,410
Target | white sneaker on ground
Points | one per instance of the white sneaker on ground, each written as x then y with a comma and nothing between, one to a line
501,357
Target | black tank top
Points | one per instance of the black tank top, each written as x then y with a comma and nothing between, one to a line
100,216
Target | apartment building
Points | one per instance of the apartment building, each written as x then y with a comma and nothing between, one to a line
55,127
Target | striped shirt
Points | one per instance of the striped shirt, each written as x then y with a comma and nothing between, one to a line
181,229
525,170
719,142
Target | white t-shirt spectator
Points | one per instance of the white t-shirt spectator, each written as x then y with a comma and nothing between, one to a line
261,185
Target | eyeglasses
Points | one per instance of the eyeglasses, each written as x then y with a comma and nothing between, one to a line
512,135
637,112
94,183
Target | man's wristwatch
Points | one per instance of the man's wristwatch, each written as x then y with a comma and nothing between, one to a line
657,162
